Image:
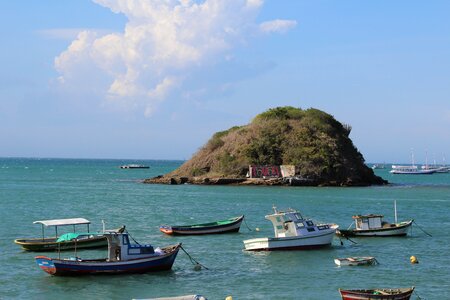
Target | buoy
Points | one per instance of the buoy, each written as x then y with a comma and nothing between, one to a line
229,298
256,229
414,260
197,267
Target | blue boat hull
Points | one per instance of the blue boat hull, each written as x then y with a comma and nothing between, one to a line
74,267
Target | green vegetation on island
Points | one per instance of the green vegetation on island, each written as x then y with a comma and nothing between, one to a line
311,140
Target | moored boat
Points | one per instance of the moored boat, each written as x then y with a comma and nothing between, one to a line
123,257
356,261
410,170
293,232
377,294
134,166
217,227
64,242
373,225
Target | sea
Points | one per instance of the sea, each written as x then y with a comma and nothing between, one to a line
97,189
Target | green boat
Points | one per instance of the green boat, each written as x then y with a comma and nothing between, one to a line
217,227
67,241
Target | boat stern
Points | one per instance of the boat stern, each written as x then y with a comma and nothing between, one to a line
258,244
46,264
166,229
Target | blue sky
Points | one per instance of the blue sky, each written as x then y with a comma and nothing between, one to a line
155,79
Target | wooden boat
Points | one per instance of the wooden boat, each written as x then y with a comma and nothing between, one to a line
123,257
222,226
377,294
81,240
293,232
373,225
356,261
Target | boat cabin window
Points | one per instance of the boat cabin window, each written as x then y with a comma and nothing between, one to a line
279,219
300,225
309,223
298,216
126,241
323,227
311,229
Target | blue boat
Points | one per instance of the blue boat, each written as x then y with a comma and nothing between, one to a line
123,257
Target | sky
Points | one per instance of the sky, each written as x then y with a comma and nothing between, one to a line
155,79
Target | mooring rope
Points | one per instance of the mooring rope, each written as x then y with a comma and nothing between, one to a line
132,237
349,239
418,297
422,229
193,259
247,225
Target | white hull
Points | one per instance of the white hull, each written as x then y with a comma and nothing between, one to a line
355,261
322,239
401,229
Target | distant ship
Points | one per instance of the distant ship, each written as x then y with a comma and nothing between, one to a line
378,166
410,170
134,166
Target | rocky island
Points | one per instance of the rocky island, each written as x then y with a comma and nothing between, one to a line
282,146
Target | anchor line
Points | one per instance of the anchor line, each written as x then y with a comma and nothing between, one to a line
349,239
193,261
418,297
132,237
422,229
247,225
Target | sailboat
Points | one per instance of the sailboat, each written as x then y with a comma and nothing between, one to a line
410,170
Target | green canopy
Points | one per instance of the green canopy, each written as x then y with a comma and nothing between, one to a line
72,236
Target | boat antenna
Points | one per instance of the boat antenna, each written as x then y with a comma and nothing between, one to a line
395,210
274,208
103,225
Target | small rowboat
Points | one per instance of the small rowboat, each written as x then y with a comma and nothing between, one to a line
377,294
356,261
223,226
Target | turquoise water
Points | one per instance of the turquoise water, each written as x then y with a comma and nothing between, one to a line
37,189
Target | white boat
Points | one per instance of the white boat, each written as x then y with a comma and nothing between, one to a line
411,170
134,166
356,261
373,225
436,169
293,232
378,166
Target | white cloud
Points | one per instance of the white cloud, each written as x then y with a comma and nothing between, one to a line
164,44
281,26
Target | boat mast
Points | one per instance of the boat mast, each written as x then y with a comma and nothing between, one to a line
395,211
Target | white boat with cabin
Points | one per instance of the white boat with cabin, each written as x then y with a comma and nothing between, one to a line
293,232
373,225
410,170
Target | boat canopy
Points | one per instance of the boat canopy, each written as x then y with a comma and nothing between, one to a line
73,235
367,216
63,222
